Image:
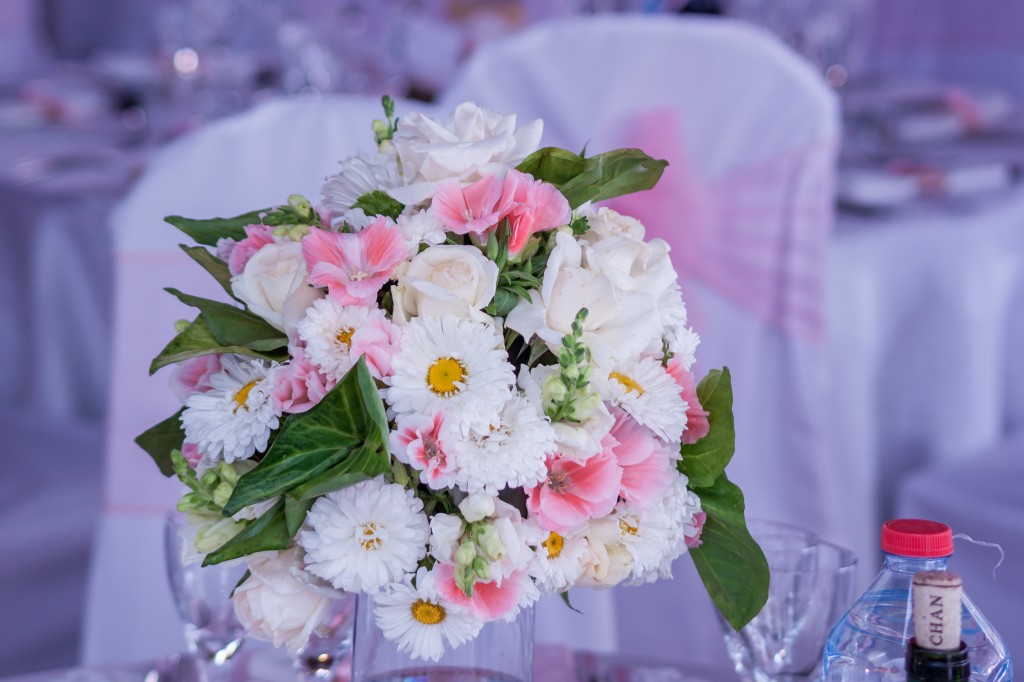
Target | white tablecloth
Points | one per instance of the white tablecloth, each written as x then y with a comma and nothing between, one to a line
926,325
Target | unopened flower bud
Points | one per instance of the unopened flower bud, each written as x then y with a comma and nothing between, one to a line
181,325
209,479
463,580
465,554
298,232
380,128
489,543
552,390
481,569
571,373
222,493
213,536
228,473
301,205
476,507
188,502
584,406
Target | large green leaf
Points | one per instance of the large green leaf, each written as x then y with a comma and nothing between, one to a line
161,439
209,231
613,174
213,265
378,202
346,432
196,340
732,566
295,513
269,531
706,459
336,478
553,164
233,326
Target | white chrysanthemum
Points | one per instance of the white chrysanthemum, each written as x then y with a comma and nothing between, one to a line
682,340
234,419
365,536
452,365
648,393
647,536
422,227
508,453
682,506
327,330
558,560
359,175
420,620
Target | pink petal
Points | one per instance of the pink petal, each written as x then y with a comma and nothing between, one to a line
489,601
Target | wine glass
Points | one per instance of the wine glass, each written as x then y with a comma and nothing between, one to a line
330,642
202,596
811,586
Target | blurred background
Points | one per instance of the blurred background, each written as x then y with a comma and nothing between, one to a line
915,353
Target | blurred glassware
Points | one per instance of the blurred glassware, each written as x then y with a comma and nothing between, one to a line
811,586
833,34
203,598
327,653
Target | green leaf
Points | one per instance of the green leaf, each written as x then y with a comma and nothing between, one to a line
197,340
565,598
269,531
233,326
210,230
503,302
613,174
161,439
213,265
554,165
729,561
378,202
295,513
334,435
704,460
336,478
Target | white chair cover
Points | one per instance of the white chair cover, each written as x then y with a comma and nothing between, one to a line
750,131
229,167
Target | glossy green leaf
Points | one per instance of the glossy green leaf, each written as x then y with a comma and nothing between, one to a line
338,477
346,430
378,202
210,230
232,326
197,340
269,531
161,439
729,561
554,165
295,513
213,265
705,460
613,174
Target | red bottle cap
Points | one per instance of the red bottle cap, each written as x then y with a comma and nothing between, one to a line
917,538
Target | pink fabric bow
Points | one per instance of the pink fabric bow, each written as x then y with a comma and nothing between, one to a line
757,234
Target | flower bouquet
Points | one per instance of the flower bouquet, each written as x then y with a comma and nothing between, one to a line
454,386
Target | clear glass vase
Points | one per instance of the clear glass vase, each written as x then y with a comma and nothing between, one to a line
502,652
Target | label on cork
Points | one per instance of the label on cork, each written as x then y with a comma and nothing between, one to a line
937,610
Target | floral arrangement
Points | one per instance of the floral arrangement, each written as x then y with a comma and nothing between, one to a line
455,386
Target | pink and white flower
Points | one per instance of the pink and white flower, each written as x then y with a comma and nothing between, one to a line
697,425
421,441
646,461
492,599
575,492
193,375
354,267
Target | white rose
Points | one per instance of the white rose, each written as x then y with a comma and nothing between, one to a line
607,222
476,507
474,143
269,278
632,265
276,604
607,561
296,305
620,323
446,279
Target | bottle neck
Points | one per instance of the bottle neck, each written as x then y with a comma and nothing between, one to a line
911,565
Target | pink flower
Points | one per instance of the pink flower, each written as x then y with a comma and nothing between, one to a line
193,375
257,236
490,600
476,208
575,492
693,539
697,425
354,267
379,340
190,451
298,385
539,206
419,441
644,458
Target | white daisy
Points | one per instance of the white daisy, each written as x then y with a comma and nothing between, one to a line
683,508
558,560
420,620
508,453
648,393
365,536
234,419
647,536
359,175
327,330
454,366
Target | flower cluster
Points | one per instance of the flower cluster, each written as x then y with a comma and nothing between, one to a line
523,353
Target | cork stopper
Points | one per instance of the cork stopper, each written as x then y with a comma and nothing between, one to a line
937,615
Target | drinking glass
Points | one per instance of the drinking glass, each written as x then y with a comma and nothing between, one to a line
203,598
330,644
811,586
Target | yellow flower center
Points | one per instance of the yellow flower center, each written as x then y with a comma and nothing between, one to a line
629,525
427,612
243,395
627,382
554,545
370,542
443,376
345,337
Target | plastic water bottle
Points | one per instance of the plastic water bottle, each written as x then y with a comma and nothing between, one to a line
869,643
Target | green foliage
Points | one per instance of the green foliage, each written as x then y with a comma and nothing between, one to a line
233,326
161,439
345,433
600,177
706,459
196,340
385,130
210,230
378,202
268,532
213,265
